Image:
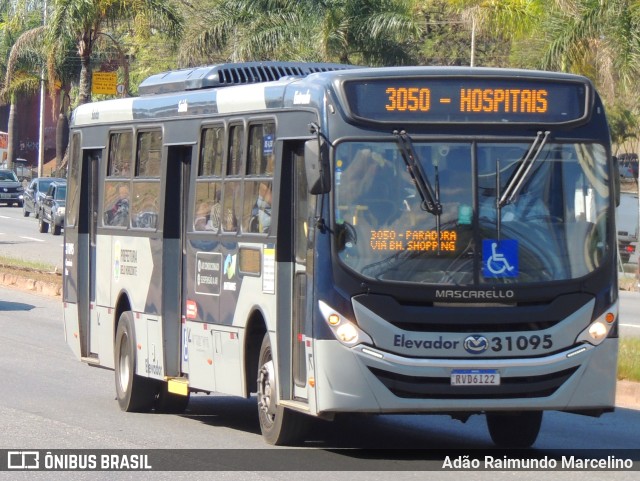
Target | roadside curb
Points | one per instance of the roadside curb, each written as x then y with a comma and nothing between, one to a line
27,284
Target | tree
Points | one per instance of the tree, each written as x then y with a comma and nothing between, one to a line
20,71
376,32
501,25
600,39
86,20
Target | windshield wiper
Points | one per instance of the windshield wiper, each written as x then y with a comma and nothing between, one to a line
430,198
521,176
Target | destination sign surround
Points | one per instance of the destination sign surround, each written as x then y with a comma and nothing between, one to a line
465,100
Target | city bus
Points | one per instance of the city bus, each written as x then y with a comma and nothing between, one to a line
335,239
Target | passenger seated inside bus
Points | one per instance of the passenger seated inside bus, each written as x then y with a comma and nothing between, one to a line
208,215
118,213
261,211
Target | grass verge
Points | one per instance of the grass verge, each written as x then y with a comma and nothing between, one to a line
38,271
10,262
629,359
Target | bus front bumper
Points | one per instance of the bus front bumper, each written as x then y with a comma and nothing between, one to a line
365,379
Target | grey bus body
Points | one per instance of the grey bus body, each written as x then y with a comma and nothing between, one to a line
178,302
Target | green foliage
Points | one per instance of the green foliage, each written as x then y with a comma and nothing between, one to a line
623,124
629,359
371,32
599,39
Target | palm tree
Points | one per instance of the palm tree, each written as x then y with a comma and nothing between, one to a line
507,20
347,31
20,72
599,39
85,20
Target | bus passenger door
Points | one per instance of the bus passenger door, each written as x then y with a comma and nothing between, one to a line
174,238
80,248
302,212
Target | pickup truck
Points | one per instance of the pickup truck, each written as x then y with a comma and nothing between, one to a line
52,208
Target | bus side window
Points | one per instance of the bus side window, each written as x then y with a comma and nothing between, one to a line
231,206
208,200
116,203
146,185
120,153
257,193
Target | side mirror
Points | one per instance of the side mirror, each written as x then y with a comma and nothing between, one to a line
316,162
616,178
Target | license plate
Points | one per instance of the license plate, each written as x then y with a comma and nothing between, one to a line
475,377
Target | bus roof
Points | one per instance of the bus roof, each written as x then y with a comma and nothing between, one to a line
254,86
231,74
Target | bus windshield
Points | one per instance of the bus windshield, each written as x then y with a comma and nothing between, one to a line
554,227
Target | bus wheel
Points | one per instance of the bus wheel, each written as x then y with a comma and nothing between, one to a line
279,425
135,393
514,430
170,403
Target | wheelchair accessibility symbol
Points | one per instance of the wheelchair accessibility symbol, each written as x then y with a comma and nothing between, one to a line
499,258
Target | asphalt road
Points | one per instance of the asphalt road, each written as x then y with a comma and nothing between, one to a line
50,400
20,239
629,314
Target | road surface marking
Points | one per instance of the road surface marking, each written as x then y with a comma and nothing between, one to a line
31,238
630,325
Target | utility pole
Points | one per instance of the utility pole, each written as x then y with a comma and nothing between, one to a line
42,105
473,41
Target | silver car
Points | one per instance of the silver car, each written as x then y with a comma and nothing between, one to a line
11,189
35,192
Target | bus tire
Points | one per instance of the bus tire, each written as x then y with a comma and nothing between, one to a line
134,393
279,425
170,403
514,430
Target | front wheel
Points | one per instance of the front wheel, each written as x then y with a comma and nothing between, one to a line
514,430
135,393
279,425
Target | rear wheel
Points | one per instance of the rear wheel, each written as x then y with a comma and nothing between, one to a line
514,430
279,425
134,393
43,227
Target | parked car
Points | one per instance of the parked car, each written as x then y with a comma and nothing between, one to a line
35,192
52,208
627,221
11,190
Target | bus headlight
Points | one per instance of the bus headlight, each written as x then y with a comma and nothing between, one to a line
599,329
343,329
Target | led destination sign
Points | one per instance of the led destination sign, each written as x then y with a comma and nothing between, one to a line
466,100
413,240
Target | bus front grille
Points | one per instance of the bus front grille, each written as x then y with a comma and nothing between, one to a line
417,387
